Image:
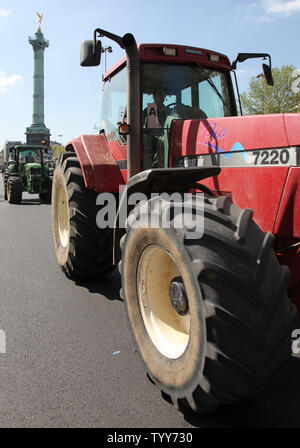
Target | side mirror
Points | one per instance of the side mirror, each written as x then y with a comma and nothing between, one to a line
90,54
241,57
268,74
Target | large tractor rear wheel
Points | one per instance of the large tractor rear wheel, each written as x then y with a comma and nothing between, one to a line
210,316
82,249
14,190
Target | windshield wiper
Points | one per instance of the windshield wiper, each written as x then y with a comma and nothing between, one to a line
207,78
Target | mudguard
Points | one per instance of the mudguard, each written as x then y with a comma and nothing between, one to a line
100,170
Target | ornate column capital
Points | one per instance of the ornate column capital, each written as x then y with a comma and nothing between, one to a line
38,42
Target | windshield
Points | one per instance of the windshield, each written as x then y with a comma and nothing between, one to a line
201,91
174,91
30,156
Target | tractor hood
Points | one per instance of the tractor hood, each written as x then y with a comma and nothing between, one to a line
226,139
260,160
32,165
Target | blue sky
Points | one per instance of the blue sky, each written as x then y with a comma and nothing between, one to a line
73,94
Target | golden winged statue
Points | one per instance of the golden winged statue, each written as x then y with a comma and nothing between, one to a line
40,18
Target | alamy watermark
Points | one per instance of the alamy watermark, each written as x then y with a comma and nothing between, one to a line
296,341
2,341
161,210
296,83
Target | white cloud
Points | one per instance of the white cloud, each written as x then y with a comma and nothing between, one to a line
266,11
8,81
241,71
264,19
280,6
5,12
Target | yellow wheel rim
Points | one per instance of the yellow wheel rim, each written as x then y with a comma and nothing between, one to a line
63,217
169,331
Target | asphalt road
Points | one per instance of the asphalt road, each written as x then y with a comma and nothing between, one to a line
69,359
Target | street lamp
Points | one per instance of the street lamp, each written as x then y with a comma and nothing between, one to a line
106,50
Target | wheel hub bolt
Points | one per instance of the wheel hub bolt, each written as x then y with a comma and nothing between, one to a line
178,297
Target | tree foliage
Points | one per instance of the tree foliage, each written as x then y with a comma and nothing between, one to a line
282,97
57,150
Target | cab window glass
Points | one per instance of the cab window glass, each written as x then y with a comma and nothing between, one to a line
213,95
113,110
186,96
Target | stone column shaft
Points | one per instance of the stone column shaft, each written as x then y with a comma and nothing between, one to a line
38,88
38,131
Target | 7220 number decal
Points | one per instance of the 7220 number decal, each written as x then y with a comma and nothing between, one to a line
273,157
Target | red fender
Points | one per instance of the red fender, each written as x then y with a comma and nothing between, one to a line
100,169
287,224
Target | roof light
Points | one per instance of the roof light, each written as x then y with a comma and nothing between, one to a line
170,51
214,58
189,50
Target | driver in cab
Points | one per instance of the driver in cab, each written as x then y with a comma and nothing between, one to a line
154,118
156,113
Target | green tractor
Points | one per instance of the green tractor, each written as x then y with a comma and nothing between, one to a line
27,170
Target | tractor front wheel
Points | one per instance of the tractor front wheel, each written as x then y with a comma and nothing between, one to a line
14,190
82,249
209,315
5,186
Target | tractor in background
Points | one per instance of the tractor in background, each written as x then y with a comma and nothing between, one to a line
210,315
27,171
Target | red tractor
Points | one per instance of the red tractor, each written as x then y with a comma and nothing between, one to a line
210,312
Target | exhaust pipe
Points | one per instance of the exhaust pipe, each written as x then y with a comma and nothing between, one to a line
128,43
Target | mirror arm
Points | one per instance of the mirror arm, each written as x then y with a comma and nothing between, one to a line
103,33
241,57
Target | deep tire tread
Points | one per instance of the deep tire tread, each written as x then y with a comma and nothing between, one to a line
248,319
16,190
90,248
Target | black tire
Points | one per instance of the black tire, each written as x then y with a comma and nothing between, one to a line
46,197
5,187
14,190
239,319
83,250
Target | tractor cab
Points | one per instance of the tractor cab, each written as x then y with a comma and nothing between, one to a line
176,82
